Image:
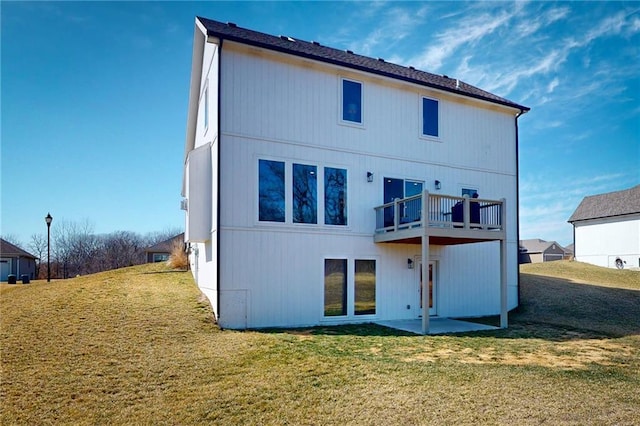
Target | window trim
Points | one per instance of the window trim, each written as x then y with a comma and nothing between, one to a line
257,192
422,134
347,288
341,119
351,289
320,225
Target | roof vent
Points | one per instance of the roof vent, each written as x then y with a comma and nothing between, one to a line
349,51
411,68
445,76
232,24
457,83
316,43
381,60
286,38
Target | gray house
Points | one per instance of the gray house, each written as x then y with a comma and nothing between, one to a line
161,251
15,261
537,250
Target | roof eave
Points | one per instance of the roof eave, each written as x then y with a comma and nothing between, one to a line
212,33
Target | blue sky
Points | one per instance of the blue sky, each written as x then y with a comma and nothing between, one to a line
94,96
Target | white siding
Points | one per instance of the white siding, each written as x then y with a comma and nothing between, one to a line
600,242
275,107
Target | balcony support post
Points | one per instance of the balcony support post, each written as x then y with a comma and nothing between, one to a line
504,314
425,261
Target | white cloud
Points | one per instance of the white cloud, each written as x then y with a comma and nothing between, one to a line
467,31
552,85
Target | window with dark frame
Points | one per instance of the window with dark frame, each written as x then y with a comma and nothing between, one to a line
365,287
271,175
305,190
335,287
430,117
352,101
335,196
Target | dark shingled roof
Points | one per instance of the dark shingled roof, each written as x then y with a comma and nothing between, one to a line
314,50
618,203
165,246
9,250
536,245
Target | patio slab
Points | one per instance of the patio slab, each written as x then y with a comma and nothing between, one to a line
437,326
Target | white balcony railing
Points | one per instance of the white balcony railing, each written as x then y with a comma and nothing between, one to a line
443,211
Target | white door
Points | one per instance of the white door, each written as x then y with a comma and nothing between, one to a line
432,287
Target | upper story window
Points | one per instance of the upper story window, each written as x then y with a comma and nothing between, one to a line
335,196
351,101
301,193
271,191
430,117
305,190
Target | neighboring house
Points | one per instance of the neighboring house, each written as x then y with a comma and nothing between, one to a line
319,186
14,260
161,251
606,229
568,252
536,251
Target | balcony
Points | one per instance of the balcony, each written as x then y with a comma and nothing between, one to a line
449,220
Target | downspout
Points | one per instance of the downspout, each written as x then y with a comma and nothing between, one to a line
522,111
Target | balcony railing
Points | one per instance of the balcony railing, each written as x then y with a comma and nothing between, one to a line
443,211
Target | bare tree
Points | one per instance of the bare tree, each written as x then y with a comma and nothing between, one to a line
38,247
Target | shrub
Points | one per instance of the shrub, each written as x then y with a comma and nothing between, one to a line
178,258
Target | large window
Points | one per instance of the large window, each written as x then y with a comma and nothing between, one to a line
305,189
303,204
365,287
335,196
335,287
351,101
346,294
271,191
430,117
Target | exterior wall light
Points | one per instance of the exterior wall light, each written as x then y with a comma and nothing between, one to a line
438,184
369,177
409,264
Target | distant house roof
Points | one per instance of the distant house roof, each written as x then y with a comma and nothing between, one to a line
166,245
346,58
536,245
611,204
9,250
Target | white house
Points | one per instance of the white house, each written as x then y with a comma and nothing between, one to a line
606,229
308,172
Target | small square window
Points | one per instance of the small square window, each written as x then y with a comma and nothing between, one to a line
351,101
430,117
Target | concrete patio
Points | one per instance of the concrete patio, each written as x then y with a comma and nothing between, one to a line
436,326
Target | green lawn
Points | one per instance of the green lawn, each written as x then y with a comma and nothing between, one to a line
138,346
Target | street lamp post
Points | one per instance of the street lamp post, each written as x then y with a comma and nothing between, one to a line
48,219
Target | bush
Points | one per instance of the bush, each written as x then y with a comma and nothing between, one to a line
178,258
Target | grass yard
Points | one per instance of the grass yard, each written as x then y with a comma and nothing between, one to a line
138,346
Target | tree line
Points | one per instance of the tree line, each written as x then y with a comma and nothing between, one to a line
77,250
